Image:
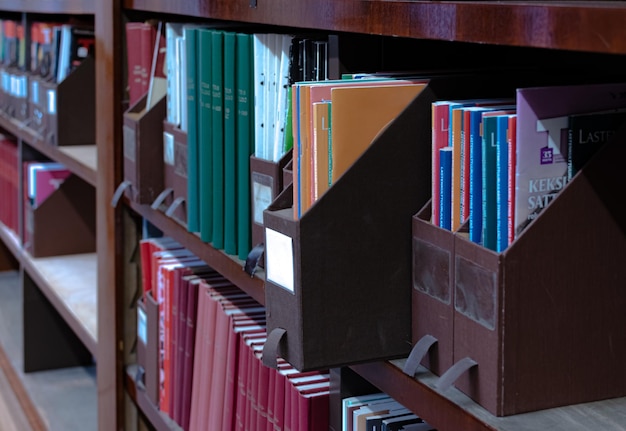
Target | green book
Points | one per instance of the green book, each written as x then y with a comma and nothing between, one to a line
489,175
205,153
217,136
230,153
245,139
190,35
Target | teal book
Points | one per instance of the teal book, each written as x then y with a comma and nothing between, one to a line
230,152
489,178
244,139
217,136
190,35
205,153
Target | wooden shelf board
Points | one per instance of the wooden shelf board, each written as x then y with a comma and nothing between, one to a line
82,160
453,410
229,266
70,283
137,392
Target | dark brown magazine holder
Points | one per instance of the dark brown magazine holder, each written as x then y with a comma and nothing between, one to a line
70,107
541,324
65,223
143,151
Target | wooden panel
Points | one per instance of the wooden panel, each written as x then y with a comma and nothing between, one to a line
49,6
109,228
588,26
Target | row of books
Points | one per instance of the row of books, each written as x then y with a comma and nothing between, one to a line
9,182
334,123
211,337
51,50
498,162
379,412
228,90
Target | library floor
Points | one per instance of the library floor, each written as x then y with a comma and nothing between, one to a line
64,399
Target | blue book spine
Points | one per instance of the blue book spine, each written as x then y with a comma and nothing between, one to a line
489,180
445,187
475,183
502,186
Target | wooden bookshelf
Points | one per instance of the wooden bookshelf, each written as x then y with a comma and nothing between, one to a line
90,291
574,27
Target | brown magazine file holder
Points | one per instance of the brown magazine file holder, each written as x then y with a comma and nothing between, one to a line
148,344
37,105
352,255
19,108
543,321
266,182
174,194
65,223
143,150
432,293
70,107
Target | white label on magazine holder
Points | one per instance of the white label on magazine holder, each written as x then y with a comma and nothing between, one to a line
279,258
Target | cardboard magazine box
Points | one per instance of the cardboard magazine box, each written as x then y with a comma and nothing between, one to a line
143,150
70,107
540,324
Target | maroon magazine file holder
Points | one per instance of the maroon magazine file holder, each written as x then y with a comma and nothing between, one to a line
266,182
541,324
174,194
70,107
65,223
143,151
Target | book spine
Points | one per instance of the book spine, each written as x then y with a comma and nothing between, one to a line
191,54
440,139
475,183
205,152
230,153
512,144
489,180
245,140
502,184
217,139
445,187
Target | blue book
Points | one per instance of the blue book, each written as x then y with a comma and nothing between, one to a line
476,169
502,183
445,187
489,180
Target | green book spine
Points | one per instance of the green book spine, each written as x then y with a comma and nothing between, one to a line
230,153
217,140
288,137
205,153
245,140
191,51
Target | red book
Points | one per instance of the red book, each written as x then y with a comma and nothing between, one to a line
228,309
249,323
205,340
147,248
512,159
195,319
176,329
314,409
169,270
140,39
